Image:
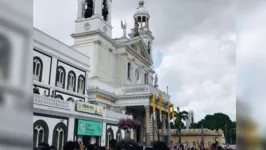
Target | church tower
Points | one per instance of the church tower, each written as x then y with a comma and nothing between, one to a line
94,16
92,28
142,26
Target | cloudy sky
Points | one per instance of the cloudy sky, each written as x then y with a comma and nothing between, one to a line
194,47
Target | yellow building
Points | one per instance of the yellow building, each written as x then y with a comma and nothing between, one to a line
191,136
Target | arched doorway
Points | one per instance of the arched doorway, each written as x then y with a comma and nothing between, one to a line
109,136
118,135
139,129
60,135
40,132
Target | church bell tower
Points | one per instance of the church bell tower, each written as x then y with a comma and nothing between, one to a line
93,16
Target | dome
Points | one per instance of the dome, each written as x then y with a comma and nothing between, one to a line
141,10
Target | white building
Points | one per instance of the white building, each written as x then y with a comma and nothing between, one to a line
190,119
96,80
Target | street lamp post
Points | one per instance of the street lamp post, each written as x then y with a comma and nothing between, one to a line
230,131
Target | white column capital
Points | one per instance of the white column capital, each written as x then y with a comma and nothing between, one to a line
147,107
97,42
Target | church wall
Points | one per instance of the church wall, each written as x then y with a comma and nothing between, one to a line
51,122
107,64
57,49
134,65
113,67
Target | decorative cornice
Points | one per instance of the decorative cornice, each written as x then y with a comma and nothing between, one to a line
124,54
96,91
134,96
137,56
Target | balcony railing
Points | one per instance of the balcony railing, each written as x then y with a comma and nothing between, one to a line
115,115
129,90
50,102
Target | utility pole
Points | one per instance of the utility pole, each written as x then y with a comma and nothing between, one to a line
226,133
202,136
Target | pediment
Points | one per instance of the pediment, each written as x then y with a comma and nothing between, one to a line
141,49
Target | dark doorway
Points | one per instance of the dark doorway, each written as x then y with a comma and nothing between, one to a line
98,140
138,133
166,139
86,140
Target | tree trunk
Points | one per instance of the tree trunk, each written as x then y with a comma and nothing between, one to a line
179,130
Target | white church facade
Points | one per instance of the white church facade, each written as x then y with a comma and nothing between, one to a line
97,81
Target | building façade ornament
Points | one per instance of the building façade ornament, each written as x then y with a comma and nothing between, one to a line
124,54
97,42
140,96
96,90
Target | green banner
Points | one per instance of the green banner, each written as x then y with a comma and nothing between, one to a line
90,128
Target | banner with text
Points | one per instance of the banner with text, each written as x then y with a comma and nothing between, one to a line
86,107
89,128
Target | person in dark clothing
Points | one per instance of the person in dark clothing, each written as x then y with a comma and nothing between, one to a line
112,144
36,90
127,145
160,146
90,147
96,146
70,145
43,146
52,147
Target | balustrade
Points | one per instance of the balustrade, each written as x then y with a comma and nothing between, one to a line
50,101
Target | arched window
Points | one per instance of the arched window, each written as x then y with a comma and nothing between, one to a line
70,99
59,135
81,84
146,78
59,97
60,77
37,68
109,136
5,51
71,84
118,135
40,132
128,71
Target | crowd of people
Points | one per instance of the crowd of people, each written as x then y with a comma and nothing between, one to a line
124,145
36,90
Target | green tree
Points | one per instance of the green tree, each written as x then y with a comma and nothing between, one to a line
219,121
179,117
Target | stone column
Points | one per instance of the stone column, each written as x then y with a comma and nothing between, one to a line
148,23
163,125
124,68
98,7
155,130
169,130
79,15
109,17
71,125
148,130
97,50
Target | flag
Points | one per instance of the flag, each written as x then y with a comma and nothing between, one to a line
173,114
169,112
160,105
154,106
